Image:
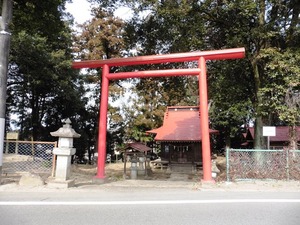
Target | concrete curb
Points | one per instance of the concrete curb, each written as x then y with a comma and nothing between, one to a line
89,185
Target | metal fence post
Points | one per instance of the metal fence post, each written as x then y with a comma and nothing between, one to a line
17,148
287,165
227,165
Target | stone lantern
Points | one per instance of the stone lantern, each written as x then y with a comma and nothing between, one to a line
134,167
141,168
64,152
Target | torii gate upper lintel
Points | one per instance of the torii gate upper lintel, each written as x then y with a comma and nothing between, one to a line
200,56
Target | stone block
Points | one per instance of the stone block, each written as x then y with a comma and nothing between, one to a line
61,184
31,180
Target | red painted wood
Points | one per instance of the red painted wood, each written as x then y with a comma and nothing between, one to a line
103,124
206,158
234,53
153,73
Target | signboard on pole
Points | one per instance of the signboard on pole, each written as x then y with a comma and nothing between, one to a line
269,131
12,136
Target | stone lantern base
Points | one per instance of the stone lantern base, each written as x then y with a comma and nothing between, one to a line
63,167
60,184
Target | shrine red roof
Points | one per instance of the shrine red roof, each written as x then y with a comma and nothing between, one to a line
282,134
181,123
138,147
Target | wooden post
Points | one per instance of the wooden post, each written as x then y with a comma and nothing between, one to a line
103,124
125,161
206,152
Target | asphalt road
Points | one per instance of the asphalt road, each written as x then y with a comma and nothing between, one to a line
149,206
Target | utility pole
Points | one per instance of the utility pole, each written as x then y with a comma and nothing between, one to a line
5,36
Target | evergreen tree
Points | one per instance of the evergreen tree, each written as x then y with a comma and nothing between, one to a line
42,87
102,38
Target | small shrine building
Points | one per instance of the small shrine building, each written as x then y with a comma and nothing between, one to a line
180,136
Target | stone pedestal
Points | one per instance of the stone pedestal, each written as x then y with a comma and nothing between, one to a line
141,168
53,183
148,167
63,153
133,168
63,162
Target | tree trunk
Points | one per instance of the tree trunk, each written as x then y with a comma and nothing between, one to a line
259,142
259,139
4,51
293,137
227,142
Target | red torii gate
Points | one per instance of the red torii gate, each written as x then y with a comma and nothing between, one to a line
201,56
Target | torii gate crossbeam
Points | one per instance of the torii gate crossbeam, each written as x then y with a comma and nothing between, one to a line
200,56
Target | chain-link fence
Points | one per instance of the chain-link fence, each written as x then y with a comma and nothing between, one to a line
243,164
27,156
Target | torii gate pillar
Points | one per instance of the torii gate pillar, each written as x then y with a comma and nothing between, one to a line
200,56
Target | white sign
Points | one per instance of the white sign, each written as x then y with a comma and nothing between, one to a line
269,131
12,135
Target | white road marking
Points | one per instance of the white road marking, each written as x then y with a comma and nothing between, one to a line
154,202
